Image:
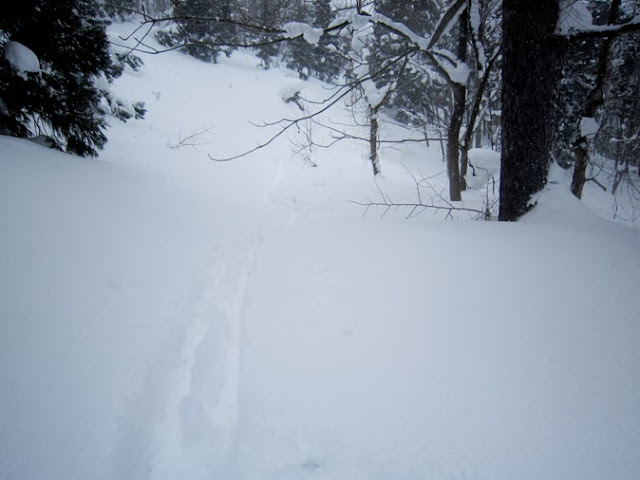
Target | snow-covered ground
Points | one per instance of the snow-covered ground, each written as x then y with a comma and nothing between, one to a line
166,316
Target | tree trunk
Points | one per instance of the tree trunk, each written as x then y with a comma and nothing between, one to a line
532,69
373,141
453,142
456,181
580,168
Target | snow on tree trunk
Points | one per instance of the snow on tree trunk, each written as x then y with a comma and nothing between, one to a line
531,73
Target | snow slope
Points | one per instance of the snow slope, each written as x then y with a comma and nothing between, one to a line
164,316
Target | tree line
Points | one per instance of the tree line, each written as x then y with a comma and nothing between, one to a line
541,81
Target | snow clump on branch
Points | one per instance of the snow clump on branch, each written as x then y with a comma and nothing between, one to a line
21,58
310,34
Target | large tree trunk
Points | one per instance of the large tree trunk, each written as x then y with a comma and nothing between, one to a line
532,69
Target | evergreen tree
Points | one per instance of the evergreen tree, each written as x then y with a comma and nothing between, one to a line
319,60
421,95
59,99
579,75
120,9
125,9
269,14
299,51
619,136
195,31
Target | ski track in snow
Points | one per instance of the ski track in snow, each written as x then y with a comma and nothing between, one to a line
181,423
202,409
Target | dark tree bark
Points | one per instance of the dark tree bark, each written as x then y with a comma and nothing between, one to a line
457,116
373,140
453,142
532,70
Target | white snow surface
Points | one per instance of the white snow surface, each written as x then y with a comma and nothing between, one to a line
485,171
21,58
165,316
574,16
589,126
310,34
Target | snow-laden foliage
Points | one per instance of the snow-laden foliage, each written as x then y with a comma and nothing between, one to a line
53,54
21,58
196,34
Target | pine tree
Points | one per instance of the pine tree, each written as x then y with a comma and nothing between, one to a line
421,96
119,9
321,60
299,51
195,31
325,62
269,14
60,100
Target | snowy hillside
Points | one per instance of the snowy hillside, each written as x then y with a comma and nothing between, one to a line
166,316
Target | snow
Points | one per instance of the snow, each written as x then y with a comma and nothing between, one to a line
457,70
21,58
589,126
574,15
295,29
575,18
475,21
375,96
291,89
486,163
360,56
165,316
418,40
458,73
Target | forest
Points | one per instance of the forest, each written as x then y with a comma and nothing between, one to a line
541,83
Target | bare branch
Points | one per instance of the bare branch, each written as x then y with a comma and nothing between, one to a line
417,205
446,20
192,140
595,180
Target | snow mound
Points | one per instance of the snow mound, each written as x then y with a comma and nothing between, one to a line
21,58
486,168
589,126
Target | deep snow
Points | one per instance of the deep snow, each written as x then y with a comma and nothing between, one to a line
165,316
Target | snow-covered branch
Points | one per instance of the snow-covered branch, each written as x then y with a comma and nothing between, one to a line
576,22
